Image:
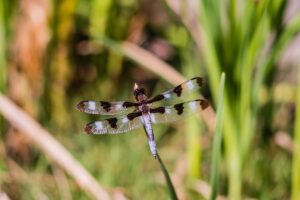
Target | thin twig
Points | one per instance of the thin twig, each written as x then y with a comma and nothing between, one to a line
50,146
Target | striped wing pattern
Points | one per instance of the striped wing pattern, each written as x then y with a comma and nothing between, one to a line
191,85
115,125
105,107
130,118
177,111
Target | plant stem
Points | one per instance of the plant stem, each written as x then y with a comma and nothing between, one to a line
168,179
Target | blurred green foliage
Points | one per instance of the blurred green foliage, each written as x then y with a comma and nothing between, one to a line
83,60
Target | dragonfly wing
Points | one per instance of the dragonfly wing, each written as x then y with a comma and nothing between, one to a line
177,111
105,107
188,86
115,125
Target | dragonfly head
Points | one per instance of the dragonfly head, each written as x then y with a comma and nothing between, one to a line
138,92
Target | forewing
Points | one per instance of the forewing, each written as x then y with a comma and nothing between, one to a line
177,111
105,107
189,86
115,125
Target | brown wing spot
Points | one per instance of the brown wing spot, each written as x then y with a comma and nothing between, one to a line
105,105
133,115
204,104
177,90
88,129
156,98
200,81
179,108
128,104
112,122
160,110
80,106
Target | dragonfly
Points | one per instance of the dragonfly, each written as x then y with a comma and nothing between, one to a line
126,116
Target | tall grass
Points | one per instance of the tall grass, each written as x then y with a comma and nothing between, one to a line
216,148
296,148
3,41
236,43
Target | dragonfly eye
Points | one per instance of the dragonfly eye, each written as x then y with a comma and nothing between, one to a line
139,91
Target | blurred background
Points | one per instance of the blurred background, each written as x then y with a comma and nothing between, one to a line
55,53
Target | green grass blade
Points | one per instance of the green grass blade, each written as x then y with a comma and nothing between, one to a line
216,154
193,146
290,31
248,62
99,17
296,153
168,179
3,43
230,129
3,48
